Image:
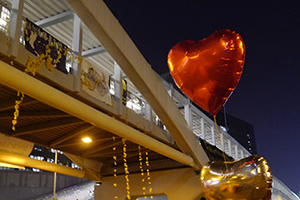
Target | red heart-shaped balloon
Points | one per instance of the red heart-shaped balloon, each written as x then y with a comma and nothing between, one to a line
209,70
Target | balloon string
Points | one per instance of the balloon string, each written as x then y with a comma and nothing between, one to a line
215,119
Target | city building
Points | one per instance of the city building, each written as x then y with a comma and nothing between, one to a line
240,130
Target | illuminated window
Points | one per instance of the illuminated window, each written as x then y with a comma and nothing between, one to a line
36,170
112,87
68,66
37,157
3,20
73,165
37,149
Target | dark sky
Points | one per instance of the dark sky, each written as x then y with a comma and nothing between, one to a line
268,95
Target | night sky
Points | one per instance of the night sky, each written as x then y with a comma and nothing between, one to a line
268,94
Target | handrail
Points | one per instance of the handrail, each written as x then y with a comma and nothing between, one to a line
280,189
206,128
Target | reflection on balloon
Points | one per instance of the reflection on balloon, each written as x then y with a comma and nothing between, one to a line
209,70
249,178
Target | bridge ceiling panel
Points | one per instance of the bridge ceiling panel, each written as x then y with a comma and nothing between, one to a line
61,30
40,9
104,61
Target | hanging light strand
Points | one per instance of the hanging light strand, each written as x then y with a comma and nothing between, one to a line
126,168
17,106
142,172
148,173
115,164
8,37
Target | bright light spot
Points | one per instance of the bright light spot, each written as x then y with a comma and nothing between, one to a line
254,172
170,66
112,91
241,45
268,174
86,140
278,197
224,43
258,170
223,128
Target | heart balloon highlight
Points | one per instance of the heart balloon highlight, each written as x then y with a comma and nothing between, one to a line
209,70
249,178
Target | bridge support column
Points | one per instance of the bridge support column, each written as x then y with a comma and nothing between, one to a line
176,184
77,50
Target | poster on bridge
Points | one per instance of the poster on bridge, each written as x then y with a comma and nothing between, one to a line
95,82
39,42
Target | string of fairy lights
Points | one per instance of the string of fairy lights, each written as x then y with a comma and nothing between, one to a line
142,170
126,171
17,106
115,163
145,173
148,174
8,37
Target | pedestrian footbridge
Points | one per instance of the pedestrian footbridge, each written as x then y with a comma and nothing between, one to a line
145,134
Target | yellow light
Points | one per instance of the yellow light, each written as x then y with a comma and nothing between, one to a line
170,66
278,197
258,170
241,45
253,171
224,43
86,140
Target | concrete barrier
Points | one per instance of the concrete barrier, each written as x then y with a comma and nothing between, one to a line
22,185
